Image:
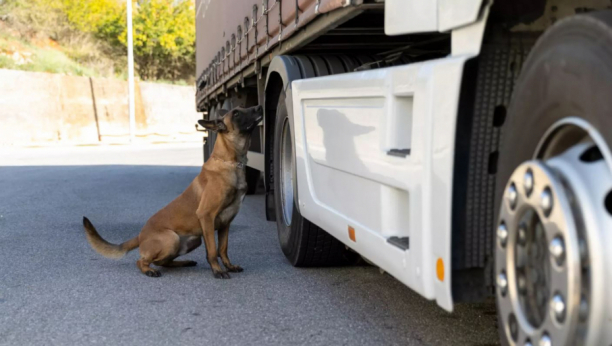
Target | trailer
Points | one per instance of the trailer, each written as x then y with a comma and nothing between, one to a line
463,147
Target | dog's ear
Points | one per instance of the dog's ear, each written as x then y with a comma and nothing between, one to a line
221,113
213,125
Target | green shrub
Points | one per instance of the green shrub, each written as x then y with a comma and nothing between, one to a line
164,39
93,33
7,62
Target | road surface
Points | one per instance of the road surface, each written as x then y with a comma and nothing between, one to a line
54,290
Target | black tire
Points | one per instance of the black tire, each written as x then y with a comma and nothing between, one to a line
568,74
252,180
212,136
303,243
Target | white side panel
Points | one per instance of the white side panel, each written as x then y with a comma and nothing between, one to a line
414,16
457,13
410,16
345,126
467,40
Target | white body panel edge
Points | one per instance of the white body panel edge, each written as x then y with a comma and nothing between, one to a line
414,16
344,127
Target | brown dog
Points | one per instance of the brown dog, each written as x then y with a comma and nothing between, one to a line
210,203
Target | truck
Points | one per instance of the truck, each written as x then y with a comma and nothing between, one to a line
463,147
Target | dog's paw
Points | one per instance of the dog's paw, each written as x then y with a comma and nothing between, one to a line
221,275
235,269
153,273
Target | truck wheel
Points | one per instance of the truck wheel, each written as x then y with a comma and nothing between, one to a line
212,136
303,243
252,180
554,189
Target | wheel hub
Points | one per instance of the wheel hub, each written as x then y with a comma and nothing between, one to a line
286,173
531,267
539,220
552,241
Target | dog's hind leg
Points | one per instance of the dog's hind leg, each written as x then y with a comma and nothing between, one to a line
223,235
143,264
186,245
156,248
177,264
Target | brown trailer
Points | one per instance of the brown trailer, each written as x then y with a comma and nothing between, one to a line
234,35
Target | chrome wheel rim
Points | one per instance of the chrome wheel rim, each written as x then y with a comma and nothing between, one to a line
548,233
286,173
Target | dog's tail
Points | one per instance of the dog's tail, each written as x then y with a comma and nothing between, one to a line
105,248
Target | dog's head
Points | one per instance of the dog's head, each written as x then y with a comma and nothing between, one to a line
236,123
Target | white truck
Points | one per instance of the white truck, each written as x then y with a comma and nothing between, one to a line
462,146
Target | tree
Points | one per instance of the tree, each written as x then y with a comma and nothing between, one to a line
164,39
164,31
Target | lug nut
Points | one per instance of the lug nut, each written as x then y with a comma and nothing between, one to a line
557,305
583,311
528,182
546,201
522,234
502,283
522,284
545,340
502,234
512,195
557,249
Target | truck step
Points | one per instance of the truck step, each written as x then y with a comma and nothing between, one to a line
401,242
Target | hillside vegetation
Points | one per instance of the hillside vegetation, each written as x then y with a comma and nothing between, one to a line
89,37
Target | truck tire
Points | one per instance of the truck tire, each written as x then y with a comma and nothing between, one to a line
577,46
212,136
303,243
252,180
568,75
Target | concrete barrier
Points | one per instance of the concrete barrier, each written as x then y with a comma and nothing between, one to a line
44,108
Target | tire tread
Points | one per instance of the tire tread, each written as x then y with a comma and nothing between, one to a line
313,246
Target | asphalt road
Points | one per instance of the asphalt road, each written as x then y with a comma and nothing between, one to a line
54,290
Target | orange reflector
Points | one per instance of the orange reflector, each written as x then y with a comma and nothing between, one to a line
440,269
352,234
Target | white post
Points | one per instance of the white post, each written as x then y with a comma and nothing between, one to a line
130,43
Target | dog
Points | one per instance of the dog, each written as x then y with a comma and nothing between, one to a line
210,203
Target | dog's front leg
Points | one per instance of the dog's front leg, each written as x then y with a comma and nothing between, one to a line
223,239
208,231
